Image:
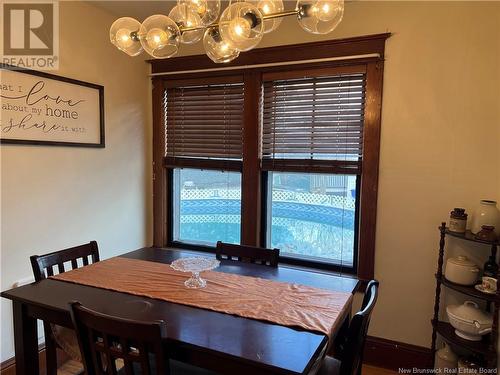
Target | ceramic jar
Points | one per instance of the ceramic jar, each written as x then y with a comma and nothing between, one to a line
461,270
446,360
486,233
486,214
458,220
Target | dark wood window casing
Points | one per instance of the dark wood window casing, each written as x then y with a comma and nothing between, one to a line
250,137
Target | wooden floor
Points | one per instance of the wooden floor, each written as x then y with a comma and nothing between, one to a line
370,370
74,368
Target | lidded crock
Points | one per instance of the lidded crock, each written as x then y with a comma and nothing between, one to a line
462,261
469,312
461,270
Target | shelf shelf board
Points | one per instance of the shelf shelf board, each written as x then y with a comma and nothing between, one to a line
469,290
479,347
469,236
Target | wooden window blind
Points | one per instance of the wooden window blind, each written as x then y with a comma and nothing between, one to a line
314,124
204,121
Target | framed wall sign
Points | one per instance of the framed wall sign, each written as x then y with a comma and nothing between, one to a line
45,109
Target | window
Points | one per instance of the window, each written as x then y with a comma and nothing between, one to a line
313,123
207,206
312,216
203,128
272,155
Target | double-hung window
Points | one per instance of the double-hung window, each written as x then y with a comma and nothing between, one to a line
312,151
203,136
281,156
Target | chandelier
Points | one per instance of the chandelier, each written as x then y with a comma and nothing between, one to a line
239,28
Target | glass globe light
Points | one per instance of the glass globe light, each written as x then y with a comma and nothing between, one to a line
123,33
320,16
241,25
268,7
184,16
217,48
160,36
208,10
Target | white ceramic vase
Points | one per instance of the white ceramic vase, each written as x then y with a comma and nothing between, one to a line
446,360
486,214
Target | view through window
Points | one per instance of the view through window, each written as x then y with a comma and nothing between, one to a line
207,206
312,215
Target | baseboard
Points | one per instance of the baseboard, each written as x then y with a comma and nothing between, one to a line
8,367
394,355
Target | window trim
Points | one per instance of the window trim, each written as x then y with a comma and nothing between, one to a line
252,174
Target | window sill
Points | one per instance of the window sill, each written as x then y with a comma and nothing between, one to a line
286,262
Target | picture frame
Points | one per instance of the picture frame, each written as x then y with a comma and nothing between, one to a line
40,108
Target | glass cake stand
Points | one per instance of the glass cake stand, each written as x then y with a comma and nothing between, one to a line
195,265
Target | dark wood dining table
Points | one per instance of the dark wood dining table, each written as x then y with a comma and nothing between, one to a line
224,343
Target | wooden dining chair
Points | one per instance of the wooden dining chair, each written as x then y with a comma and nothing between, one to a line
349,358
104,339
59,262
115,346
249,254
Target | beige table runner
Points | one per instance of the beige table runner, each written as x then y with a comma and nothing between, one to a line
281,303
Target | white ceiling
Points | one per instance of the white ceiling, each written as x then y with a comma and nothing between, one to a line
142,9
136,9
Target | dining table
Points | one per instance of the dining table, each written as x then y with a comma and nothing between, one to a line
224,343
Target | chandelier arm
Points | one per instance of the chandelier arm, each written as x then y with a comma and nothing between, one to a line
264,17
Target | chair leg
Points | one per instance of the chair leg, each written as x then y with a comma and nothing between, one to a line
50,354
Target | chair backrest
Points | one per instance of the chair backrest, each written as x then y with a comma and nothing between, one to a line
108,342
351,352
249,254
43,265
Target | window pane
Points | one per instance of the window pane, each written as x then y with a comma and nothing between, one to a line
207,206
312,215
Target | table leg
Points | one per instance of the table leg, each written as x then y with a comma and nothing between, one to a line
26,341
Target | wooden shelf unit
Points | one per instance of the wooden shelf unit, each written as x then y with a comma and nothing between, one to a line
487,347
483,347
468,290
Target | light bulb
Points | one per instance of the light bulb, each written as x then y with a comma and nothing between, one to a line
123,38
207,10
160,36
241,26
200,6
184,16
123,33
269,7
157,38
217,49
320,16
326,10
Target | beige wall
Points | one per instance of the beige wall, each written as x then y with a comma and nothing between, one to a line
440,139
440,149
55,197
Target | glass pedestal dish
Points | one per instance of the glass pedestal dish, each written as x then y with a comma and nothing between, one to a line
195,265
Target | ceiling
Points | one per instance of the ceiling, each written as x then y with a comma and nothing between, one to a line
136,9
140,9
